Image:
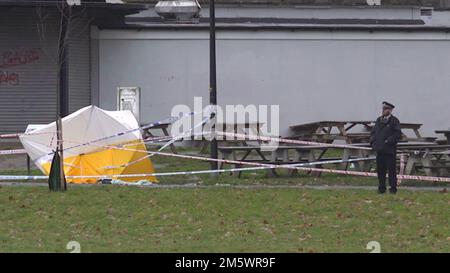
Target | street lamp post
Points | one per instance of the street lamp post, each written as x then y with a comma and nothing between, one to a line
188,11
63,103
212,79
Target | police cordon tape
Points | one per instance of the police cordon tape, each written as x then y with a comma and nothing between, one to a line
185,133
344,172
292,141
260,138
271,166
144,127
173,139
22,177
13,152
402,167
16,135
10,135
171,119
227,161
148,126
260,166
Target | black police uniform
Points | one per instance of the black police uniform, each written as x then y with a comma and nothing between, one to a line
384,138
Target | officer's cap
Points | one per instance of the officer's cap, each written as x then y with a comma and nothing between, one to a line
388,105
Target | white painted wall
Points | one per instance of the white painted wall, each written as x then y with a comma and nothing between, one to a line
313,76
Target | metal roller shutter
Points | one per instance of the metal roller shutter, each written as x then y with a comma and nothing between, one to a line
28,70
79,65
27,73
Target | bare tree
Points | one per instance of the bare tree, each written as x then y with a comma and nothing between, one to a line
71,21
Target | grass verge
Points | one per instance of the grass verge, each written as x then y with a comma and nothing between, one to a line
131,219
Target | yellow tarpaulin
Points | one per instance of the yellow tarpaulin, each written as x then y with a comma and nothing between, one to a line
100,158
108,162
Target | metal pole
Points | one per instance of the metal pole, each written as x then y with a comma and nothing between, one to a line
64,63
212,77
28,165
63,86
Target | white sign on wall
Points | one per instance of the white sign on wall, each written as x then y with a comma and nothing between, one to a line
128,98
374,2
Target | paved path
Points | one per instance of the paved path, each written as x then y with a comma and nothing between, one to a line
195,186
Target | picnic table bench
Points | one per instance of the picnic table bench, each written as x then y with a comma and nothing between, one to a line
446,133
329,131
163,127
244,128
278,155
433,159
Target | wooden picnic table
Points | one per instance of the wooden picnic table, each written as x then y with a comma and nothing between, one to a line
432,158
415,127
245,128
240,127
446,133
163,127
231,152
329,131
280,155
405,145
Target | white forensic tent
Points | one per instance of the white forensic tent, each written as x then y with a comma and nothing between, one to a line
94,145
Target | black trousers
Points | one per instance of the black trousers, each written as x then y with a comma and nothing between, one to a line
386,163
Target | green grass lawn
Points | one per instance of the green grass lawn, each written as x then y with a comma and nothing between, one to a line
129,219
132,219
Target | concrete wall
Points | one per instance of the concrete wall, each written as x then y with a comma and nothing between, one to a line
314,75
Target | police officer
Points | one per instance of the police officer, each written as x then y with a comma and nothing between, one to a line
383,139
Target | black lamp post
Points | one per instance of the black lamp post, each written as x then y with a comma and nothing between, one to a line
212,78
188,11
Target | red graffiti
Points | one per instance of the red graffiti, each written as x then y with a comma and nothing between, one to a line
9,78
19,57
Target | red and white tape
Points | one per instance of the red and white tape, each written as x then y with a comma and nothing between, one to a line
402,167
9,135
12,152
236,162
259,166
264,165
16,135
272,166
292,141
